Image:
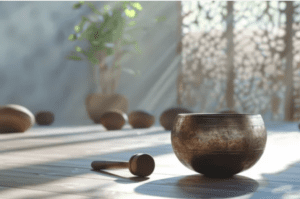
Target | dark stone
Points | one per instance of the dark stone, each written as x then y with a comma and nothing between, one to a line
141,119
168,116
44,118
217,145
113,120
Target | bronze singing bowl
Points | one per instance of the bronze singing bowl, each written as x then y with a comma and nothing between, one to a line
218,145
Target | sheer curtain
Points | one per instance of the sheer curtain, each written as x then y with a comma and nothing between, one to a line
243,56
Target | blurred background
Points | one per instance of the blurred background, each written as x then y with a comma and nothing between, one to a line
35,73
204,56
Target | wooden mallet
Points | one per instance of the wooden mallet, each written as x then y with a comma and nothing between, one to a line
139,164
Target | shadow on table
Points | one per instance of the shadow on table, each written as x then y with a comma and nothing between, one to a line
70,142
283,184
64,132
195,186
55,170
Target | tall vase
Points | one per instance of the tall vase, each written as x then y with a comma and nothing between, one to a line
107,81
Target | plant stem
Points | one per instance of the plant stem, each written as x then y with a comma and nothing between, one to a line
101,56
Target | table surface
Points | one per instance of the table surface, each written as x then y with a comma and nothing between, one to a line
55,162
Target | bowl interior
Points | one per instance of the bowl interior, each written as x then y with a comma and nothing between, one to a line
196,119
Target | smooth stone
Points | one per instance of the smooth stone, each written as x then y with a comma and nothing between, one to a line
141,119
168,116
15,118
44,118
113,120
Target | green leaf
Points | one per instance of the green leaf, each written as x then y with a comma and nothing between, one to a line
92,33
73,57
137,48
77,5
77,29
106,7
136,5
111,30
124,5
94,9
132,23
130,13
96,43
78,49
161,19
93,60
109,51
128,42
72,37
107,23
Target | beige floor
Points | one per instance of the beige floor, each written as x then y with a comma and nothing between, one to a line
54,162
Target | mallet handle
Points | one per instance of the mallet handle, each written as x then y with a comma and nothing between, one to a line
98,165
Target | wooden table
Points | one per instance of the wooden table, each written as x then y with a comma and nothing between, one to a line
55,162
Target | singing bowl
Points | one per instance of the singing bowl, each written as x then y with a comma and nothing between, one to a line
218,145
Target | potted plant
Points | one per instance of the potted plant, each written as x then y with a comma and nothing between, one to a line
109,39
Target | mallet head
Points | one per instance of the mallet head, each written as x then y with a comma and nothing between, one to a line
141,165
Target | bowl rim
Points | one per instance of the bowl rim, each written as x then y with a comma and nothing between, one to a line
209,115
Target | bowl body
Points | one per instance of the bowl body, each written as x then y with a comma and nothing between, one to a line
218,145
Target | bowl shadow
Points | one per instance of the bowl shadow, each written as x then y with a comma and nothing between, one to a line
199,186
